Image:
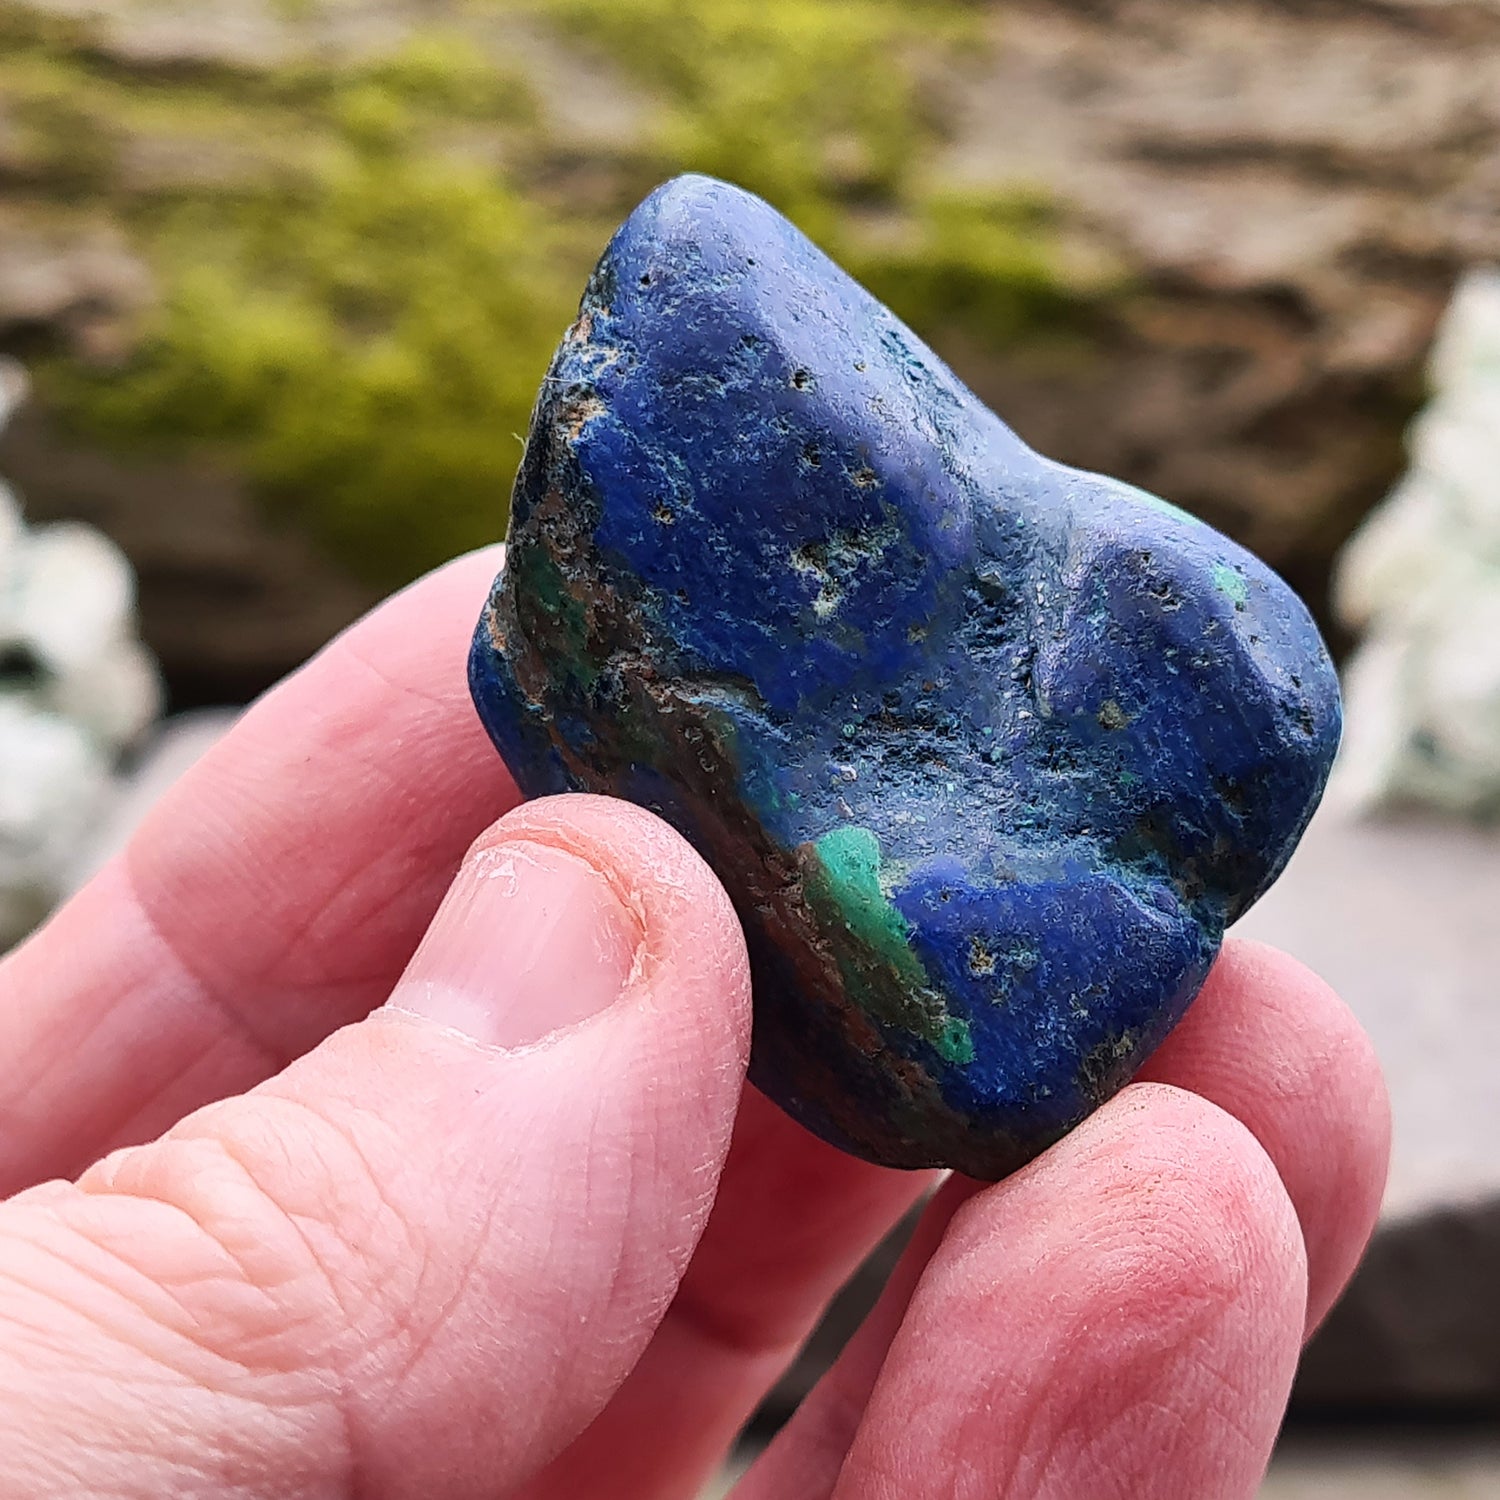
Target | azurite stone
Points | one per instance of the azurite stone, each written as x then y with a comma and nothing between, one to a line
986,750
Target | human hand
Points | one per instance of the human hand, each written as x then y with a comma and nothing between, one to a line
517,1232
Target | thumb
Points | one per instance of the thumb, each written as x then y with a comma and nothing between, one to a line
419,1260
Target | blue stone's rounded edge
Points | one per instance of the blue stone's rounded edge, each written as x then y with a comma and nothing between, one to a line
700,230
689,208
664,256
517,730
1271,663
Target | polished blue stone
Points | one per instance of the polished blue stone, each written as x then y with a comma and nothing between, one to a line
987,751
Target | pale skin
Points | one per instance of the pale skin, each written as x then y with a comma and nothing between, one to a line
299,1209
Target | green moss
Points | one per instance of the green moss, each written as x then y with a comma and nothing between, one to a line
816,108
981,261
360,295
364,378
804,102
23,27
61,134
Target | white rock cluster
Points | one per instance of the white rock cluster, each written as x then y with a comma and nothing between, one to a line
77,690
1421,581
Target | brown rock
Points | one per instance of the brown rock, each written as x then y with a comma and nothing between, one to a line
1364,1463
66,277
1288,189
1293,189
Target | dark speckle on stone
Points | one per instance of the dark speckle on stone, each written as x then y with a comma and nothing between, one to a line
987,751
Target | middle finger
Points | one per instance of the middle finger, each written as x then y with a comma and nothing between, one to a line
1267,1041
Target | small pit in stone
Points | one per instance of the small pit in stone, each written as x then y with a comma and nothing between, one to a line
981,959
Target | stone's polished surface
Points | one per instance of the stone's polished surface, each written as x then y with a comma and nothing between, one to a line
987,751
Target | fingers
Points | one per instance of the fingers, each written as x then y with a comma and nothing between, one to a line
1273,1045
1120,1319
420,1259
1268,1042
793,1220
274,895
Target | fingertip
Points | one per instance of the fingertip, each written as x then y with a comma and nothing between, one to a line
1121,1317
1157,1169
1272,1044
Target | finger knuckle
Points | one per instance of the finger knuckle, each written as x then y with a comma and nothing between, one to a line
270,1229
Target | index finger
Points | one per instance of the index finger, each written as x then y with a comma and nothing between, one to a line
273,896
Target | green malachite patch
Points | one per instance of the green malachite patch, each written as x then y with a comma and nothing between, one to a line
1231,584
881,973
851,868
570,620
956,1042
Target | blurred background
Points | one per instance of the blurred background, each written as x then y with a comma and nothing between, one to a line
278,280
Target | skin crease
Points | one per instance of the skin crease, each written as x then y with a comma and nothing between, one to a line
337,1256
